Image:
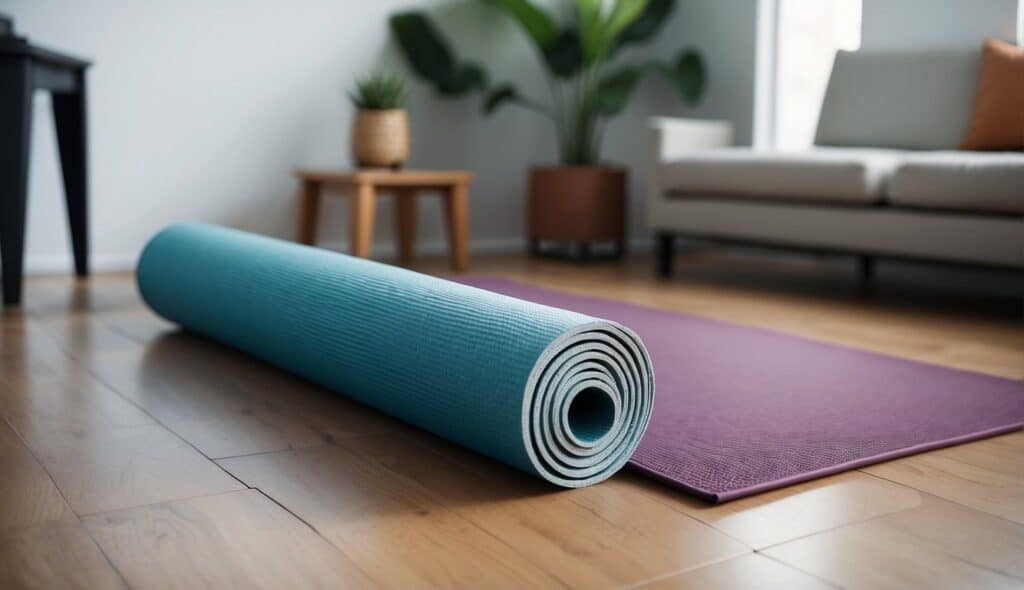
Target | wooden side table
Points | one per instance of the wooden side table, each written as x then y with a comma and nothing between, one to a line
363,187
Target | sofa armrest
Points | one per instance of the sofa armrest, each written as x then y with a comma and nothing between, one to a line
671,139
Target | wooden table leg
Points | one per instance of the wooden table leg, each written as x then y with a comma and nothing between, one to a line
361,212
309,211
405,223
456,205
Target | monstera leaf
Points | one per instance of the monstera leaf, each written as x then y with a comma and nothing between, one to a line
563,55
429,55
498,96
687,75
646,25
599,29
614,90
538,24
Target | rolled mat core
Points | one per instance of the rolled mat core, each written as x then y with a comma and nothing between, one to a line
555,393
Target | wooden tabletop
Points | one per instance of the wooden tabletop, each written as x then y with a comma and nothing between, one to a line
386,176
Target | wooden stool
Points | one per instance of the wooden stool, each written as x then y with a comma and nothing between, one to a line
363,186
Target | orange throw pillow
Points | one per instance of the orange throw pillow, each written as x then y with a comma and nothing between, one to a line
998,121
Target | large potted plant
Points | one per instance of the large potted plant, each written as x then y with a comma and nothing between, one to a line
581,200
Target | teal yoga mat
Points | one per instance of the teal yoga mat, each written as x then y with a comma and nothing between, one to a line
558,394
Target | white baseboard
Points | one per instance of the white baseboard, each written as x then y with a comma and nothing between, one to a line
114,262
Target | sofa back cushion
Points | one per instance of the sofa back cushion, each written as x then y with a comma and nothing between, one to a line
904,100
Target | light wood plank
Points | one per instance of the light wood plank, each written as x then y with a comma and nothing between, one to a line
54,557
141,325
372,489
227,403
72,402
28,350
938,545
61,294
99,470
601,536
741,573
395,532
84,336
986,474
27,494
794,511
236,540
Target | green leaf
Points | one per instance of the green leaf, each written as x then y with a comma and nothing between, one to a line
379,91
623,14
599,31
563,55
614,90
688,76
423,46
427,52
537,23
588,15
498,96
462,79
647,24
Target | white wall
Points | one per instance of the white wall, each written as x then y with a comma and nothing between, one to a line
199,111
922,24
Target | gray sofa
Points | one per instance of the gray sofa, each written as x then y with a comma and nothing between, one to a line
883,179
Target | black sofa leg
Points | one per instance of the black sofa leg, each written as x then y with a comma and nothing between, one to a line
866,269
666,254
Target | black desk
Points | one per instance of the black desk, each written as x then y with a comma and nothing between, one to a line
23,70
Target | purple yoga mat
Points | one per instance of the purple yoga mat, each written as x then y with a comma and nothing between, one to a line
741,410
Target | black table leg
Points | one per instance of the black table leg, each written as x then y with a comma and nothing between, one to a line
16,123
69,114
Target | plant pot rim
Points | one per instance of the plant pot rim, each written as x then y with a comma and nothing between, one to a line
379,111
559,167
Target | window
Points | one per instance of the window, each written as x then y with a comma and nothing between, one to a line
808,34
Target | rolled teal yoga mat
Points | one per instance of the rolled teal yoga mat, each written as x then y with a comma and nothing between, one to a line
555,393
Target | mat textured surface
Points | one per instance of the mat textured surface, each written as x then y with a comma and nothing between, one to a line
555,393
743,410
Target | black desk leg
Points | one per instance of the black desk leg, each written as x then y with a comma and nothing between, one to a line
69,114
16,123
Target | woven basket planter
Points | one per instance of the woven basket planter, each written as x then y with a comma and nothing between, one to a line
380,138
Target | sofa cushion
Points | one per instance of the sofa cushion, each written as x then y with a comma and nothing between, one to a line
958,180
998,122
900,100
821,175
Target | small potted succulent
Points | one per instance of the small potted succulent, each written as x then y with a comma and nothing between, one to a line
380,132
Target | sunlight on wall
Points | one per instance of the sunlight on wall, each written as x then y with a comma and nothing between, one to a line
809,34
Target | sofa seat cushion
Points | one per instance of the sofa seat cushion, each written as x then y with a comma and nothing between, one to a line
854,176
958,180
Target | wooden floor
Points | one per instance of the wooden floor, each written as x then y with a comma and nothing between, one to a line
135,455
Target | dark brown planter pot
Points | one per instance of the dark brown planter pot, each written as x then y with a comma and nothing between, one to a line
578,204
